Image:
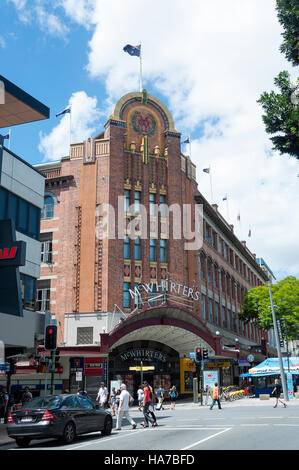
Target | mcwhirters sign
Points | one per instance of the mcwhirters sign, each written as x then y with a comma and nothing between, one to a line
171,288
143,355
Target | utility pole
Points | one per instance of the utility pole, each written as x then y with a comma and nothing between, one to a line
282,374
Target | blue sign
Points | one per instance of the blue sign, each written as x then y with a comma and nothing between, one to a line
290,386
192,355
4,366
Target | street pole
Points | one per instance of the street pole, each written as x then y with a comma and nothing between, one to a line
53,354
282,374
141,363
286,332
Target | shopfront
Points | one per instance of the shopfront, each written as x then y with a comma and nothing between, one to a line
152,361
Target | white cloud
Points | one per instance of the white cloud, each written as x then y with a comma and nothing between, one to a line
2,42
84,118
40,11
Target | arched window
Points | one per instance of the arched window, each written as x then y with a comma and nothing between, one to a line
48,209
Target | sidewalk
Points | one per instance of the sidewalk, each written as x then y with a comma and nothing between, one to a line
4,439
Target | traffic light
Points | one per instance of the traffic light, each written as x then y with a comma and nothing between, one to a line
205,353
198,354
51,337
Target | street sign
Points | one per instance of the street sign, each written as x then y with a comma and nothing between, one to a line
192,355
5,366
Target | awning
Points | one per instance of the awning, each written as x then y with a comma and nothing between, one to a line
19,107
270,366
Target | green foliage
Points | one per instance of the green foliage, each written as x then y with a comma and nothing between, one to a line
288,16
285,295
281,116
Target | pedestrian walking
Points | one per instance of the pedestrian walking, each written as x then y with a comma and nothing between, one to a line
215,395
173,396
4,405
140,397
112,399
27,395
276,392
117,400
123,411
148,407
160,398
102,396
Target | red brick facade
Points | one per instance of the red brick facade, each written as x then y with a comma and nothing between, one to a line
139,152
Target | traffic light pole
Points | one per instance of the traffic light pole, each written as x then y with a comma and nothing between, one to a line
53,354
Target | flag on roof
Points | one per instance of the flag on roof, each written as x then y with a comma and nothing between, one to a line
206,170
66,110
249,233
225,198
187,141
6,136
239,217
133,50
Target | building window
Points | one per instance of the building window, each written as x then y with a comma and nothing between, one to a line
215,276
234,321
3,203
137,248
46,247
163,257
202,267
217,313
209,272
153,255
137,201
229,324
224,324
43,294
220,243
28,290
126,295
127,254
152,204
127,200
85,335
137,300
163,209
211,310
203,306
48,209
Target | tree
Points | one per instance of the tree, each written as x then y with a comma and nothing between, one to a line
281,116
282,109
288,16
285,295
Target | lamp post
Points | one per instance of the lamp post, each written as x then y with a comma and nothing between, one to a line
286,333
282,374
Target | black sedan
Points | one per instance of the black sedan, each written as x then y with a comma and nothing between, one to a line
59,416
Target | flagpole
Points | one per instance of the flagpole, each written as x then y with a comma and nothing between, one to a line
227,212
211,184
140,78
9,139
190,146
70,127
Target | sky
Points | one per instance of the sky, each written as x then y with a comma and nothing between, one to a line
208,61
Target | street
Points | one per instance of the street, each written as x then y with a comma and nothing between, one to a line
247,424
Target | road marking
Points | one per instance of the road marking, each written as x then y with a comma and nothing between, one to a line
127,434
206,439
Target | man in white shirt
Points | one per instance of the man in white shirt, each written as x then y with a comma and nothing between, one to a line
102,395
123,410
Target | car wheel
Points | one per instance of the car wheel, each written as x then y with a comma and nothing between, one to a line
23,441
69,433
107,427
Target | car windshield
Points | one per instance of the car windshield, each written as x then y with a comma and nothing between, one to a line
43,402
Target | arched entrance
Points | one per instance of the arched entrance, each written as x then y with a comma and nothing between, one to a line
162,337
139,360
